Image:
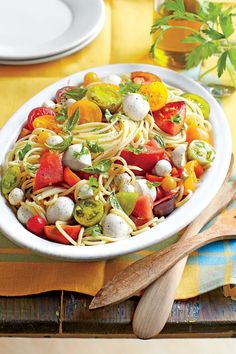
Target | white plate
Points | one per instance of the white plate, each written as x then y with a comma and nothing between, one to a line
182,216
54,57
31,29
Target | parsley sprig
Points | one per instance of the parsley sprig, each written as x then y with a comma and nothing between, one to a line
213,37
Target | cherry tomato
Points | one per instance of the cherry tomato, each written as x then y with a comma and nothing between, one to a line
38,112
171,117
90,77
156,93
36,224
60,93
189,184
54,235
198,170
47,122
70,177
142,77
168,183
89,111
143,207
197,133
153,178
42,136
146,159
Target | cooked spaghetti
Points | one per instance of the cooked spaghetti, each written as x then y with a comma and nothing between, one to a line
107,159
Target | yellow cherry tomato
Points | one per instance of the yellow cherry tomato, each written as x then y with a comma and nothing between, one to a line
47,122
90,78
89,111
42,136
197,133
168,183
156,93
189,184
191,181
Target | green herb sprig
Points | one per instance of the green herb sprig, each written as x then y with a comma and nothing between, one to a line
213,37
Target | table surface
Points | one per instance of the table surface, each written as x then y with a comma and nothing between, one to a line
66,314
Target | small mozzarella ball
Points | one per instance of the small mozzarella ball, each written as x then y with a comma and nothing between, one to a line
16,196
49,104
163,168
115,226
122,178
135,106
85,192
23,214
54,140
142,188
127,188
77,163
178,156
69,102
112,79
61,210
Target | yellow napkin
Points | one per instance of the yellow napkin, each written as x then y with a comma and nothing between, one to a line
124,38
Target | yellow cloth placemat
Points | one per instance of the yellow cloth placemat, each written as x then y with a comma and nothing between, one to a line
124,38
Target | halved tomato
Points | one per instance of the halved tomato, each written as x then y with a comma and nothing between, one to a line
143,208
171,117
38,112
54,235
143,77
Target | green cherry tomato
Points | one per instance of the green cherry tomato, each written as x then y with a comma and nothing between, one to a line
127,201
202,104
10,179
105,96
201,151
88,212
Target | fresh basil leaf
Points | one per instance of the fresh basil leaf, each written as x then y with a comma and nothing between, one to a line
62,115
135,150
93,183
72,121
95,230
76,93
94,147
31,168
176,119
159,139
114,202
24,151
100,167
61,146
117,116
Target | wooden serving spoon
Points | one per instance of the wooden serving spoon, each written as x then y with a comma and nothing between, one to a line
120,288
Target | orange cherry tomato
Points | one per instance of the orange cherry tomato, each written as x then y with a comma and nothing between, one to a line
157,94
47,122
42,136
89,111
90,78
197,133
168,183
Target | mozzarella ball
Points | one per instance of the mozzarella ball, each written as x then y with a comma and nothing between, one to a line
115,226
54,140
163,168
16,196
23,214
62,210
85,192
135,106
112,79
127,188
178,156
69,102
49,104
79,162
122,178
142,188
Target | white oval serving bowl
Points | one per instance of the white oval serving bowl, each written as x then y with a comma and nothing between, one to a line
181,217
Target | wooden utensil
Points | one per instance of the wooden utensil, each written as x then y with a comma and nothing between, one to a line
154,307
143,272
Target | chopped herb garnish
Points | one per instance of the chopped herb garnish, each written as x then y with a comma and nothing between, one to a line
176,119
61,146
94,147
95,230
62,115
135,150
114,202
93,183
84,151
31,168
100,167
152,184
71,122
24,151
76,93
117,116
129,87
159,139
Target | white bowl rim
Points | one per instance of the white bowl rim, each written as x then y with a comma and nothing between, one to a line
175,222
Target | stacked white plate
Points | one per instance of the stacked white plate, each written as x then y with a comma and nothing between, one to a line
38,31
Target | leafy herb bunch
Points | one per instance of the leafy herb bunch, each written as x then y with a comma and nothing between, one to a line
213,37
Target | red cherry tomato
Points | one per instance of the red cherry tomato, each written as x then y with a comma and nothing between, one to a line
146,159
38,112
143,207
153,178
54,235
60,93
142,77
36,224
170,119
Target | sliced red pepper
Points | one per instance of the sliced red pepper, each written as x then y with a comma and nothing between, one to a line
54,235
153,178
170,118
50,170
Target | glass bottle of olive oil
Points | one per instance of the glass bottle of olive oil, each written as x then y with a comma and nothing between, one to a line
170,51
